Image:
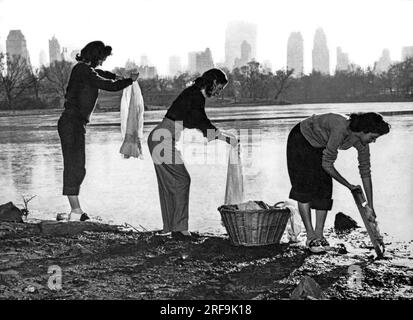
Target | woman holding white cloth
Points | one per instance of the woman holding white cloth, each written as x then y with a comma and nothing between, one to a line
187,111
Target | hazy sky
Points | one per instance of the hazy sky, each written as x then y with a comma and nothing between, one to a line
161,28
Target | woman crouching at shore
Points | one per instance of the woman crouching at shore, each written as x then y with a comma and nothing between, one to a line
312,149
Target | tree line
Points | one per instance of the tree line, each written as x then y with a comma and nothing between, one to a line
23,87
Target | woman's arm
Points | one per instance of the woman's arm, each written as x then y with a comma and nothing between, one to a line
368,188
330,153
331,170
96,81
106,74
365,172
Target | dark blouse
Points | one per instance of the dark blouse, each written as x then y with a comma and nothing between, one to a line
189,107
83,88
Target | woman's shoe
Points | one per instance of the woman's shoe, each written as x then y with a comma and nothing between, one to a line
315,246
325,244
84,217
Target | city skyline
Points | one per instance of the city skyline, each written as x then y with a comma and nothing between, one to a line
364,39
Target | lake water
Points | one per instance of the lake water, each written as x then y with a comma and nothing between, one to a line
125,190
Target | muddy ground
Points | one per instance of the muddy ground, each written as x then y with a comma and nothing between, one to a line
99,261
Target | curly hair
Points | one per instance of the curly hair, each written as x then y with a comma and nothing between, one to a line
93,52
369,122
206,81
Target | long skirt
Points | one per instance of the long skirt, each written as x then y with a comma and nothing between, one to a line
310,182
173,178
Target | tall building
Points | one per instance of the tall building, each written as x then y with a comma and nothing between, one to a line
144,60
192,61
16,45
321,56
55,53
175,65
407,52
245,55
42,58
236,33
384,62
295,54
131,65
65,54
342,60
147,72
204,61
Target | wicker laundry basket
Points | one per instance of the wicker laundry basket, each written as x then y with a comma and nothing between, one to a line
257,227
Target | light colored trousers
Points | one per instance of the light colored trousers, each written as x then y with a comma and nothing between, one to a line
173,178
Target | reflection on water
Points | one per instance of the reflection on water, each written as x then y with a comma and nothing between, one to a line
126,190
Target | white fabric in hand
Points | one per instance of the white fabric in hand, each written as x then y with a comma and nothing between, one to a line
131,115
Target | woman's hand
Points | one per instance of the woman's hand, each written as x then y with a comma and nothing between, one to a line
134,76
353,187
231,139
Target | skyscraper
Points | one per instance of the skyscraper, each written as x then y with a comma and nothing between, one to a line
342,60
236,33
321,56
175,65
192,61
204,61
384,62
407,52
295,54
144,60
245,55
16,45
65,54
54,50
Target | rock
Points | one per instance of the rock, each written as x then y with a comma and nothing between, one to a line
341,249
10,213
343,222
307,289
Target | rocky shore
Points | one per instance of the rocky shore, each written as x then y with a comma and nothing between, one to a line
100,261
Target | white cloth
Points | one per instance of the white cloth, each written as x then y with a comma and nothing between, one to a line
234,192
249,206
131,119
294,225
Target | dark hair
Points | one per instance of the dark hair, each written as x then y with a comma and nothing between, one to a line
369,122
206,81
93,52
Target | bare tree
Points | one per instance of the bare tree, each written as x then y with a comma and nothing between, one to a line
57,75
14,77
36,77
282,81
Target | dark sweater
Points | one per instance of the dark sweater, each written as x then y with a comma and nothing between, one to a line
189,107
83,88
